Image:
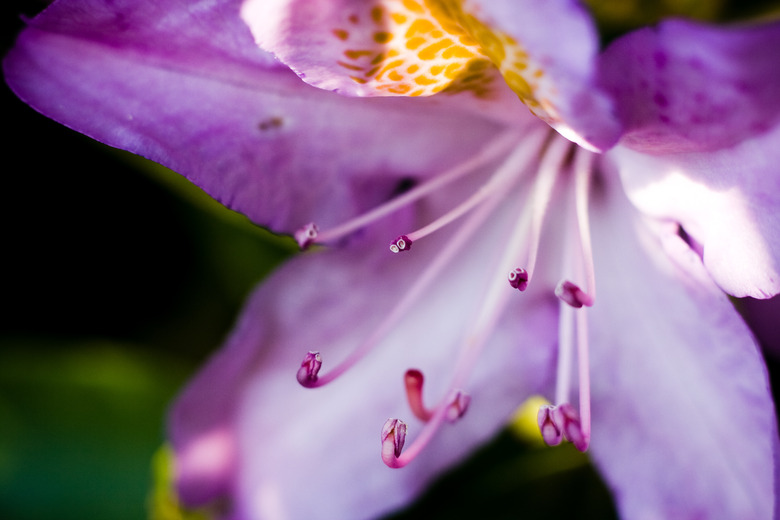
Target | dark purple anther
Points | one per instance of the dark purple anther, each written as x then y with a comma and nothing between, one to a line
569,420
458,406
550,428
401,243
518,279
393,438
310,367
306,235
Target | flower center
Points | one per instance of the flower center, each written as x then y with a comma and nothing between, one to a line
553,162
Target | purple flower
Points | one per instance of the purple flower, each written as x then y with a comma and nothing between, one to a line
514,225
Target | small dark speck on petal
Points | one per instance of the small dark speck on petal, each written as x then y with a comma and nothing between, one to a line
660,100
270,124
404,185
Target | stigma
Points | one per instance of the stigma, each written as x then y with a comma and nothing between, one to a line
531,178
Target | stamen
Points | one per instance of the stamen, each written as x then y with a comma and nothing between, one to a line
310,367
583,169
565,352
306,235
518,279
391,451
583,359
506,174
540,197
495,149
393,437
401,243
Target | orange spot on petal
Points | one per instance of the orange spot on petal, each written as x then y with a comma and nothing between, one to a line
414,43
422,80
413,6
341,34
457,51
432,50
353,55
452,70
382,37
420,26
376,14
349,66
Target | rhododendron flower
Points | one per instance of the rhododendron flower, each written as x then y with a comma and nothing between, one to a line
514,167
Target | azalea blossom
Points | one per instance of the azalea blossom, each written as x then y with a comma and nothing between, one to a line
566,221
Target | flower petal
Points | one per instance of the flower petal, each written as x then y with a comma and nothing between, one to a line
683,419
727,201
416,48
564,91
155,80
293,440
682,86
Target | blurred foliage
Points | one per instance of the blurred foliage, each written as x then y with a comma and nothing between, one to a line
79,420
617,17
163,502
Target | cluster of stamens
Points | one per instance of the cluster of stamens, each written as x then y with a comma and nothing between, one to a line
557,422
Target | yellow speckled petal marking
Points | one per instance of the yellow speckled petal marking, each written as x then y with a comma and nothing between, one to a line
521,73
421,47
410,52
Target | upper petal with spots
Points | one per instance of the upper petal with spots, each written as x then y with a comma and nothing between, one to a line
422,47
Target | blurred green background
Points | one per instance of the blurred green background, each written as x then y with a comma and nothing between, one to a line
119,279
